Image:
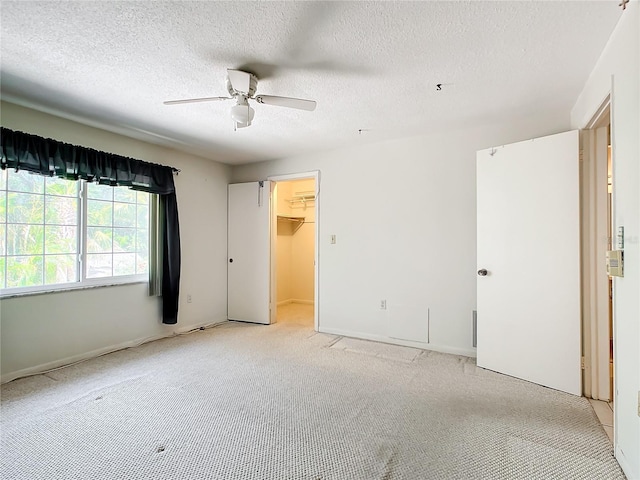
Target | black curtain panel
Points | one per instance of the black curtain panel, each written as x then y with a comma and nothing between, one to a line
44,156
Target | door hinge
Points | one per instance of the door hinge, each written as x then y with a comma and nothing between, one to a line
582,363
260,187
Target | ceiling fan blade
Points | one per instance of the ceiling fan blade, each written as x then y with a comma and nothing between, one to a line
288,102
196,100
240,81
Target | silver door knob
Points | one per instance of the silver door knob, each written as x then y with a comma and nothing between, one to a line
482,272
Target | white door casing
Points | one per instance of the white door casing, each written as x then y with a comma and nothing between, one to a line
528,239
249,257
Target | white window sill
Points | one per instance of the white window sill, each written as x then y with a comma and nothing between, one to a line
68,287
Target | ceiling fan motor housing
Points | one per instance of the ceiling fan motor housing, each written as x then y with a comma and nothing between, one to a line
253,83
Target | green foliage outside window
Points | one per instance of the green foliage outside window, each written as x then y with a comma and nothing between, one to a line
117,231
40,230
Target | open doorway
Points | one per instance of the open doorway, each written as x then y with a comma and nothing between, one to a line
610,247
294,249
597,236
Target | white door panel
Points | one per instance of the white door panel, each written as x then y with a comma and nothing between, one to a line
248,267
529,242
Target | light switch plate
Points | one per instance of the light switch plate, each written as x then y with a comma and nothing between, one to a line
615,263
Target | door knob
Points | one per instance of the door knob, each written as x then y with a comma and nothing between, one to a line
231,260
483,272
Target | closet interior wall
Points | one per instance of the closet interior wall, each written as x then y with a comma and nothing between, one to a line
295,252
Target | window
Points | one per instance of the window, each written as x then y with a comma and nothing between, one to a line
117,231
56,232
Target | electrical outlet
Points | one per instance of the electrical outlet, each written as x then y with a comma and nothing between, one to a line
189,298
383,304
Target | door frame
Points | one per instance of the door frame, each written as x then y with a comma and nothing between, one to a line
594,229
314,174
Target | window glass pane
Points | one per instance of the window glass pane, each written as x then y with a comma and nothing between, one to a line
61,210
124,264
124,240
60,268
99,192
124,194
143,216
142,198
41,233
143,241
99,213
99,240
99,265
25,239
61,186
142,265
61,239
25,208
24,271
124,214
3,207
23,181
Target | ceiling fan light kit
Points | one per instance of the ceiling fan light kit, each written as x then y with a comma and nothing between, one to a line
242,113
242,87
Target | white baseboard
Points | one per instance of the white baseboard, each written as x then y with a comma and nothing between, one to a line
404,343
42,368
295,300
63,362
625,465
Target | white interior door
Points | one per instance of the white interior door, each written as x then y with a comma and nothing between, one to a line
529,244
249,256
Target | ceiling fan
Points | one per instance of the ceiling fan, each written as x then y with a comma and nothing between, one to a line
242,88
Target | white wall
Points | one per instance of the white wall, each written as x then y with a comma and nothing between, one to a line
49,330
412,239
617,72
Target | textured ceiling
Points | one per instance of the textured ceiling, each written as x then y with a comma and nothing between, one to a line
371,66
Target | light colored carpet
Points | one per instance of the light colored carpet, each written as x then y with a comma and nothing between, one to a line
243,401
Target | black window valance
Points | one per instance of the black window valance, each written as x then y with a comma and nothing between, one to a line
45,156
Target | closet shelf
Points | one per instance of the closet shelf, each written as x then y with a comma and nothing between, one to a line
289,225
303,198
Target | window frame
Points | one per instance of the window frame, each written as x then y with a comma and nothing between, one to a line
81,255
